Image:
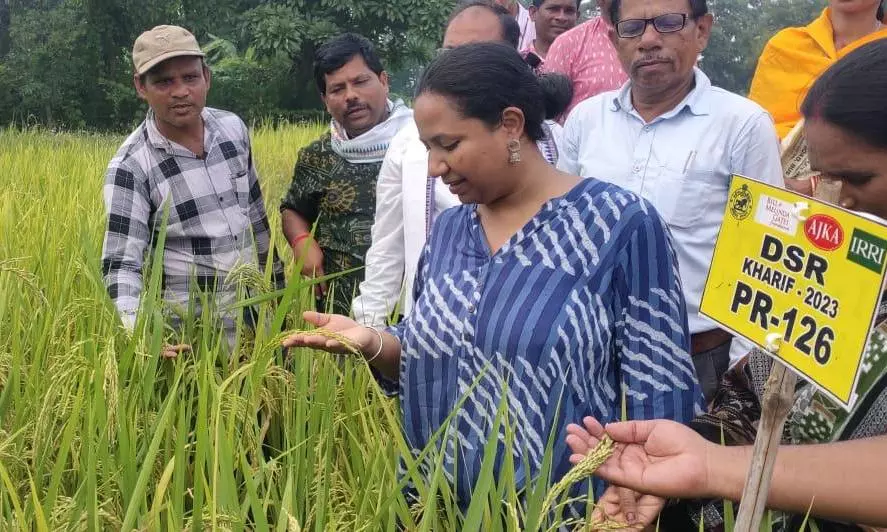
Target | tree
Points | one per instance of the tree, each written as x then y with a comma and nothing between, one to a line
4,28
741,30
66,63
405,32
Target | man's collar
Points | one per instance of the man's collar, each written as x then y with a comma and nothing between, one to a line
370,147
696,101
155,137
343,133
160,142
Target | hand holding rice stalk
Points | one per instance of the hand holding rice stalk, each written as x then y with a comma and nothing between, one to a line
334,334
582,470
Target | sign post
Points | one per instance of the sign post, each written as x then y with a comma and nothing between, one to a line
801,279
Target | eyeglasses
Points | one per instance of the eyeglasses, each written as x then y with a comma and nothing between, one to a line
635,27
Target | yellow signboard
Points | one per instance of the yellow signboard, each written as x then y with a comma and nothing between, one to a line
800,278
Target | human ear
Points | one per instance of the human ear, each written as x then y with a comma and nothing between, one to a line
513,122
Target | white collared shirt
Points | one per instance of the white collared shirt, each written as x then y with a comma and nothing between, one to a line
400,228
682,162
527,27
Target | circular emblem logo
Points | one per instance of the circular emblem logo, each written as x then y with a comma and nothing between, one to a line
163,38
740,203
824,232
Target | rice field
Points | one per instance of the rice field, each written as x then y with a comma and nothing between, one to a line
97,432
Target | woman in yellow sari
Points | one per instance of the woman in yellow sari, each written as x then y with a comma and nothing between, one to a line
795,57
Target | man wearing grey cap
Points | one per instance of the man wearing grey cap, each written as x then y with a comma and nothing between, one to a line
196,162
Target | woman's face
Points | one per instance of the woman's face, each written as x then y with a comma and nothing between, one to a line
861,167
470,157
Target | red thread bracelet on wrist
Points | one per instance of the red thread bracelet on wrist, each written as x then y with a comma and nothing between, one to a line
299,238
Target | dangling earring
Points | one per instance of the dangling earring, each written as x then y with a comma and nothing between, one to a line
513,151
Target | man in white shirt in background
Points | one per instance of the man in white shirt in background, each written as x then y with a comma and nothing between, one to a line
408,199
524,21
671,137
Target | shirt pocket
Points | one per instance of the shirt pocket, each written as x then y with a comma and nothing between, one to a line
683,197
240,186
239,176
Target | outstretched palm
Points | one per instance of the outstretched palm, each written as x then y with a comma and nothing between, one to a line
358,335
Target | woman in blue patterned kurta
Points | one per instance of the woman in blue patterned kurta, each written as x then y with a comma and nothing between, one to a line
564,288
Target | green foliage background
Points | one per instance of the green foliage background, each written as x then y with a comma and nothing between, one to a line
65,63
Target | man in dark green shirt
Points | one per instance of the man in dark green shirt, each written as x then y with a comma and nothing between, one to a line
334,182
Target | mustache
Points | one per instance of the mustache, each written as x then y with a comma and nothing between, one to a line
650,60
356,107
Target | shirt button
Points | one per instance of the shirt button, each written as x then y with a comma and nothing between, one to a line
471,308
647,128
221,198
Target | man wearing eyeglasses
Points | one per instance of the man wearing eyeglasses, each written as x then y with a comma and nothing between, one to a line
671,137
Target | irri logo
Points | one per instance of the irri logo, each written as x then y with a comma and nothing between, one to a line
867,250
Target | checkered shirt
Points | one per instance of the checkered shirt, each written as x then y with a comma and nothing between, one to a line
216,222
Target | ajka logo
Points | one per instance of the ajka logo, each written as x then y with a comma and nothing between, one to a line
824,232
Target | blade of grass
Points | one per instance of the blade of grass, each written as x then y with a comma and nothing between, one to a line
483,484
807,516
160,493
283,292
137,498
13,498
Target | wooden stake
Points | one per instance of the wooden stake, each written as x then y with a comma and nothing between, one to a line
779,393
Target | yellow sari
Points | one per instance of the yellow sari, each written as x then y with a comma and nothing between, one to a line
791,62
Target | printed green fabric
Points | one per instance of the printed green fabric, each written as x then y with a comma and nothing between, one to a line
814,418
822,421
341,198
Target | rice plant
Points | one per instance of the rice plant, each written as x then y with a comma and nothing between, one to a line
99,432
